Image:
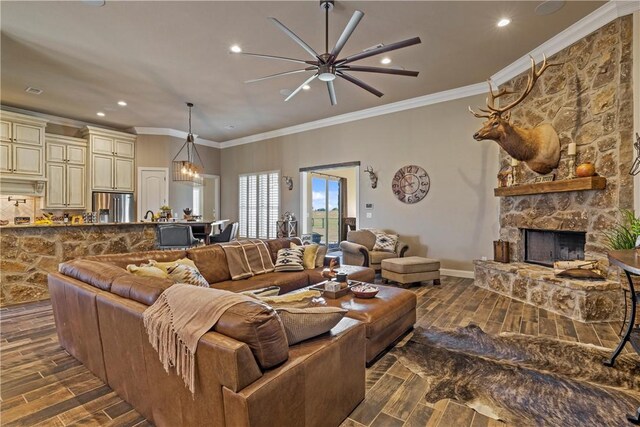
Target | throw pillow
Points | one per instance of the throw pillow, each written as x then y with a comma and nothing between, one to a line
164,266
322,252
146,270
289,260
304,323
299,299
385,242
309,254
182,273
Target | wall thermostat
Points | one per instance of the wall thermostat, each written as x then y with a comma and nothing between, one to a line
368,205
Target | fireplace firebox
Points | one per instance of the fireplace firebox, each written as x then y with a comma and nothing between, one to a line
544,247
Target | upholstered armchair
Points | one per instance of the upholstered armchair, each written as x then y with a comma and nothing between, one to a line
358,250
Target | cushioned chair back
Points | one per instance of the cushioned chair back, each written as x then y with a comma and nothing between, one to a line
172,236
225,235
362,237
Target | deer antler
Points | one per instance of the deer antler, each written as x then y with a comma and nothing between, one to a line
481,116
531,81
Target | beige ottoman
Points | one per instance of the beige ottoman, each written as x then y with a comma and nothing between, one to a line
411,270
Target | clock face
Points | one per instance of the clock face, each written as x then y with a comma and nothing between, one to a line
410,184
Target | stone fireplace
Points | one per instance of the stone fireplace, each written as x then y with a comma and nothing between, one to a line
589,101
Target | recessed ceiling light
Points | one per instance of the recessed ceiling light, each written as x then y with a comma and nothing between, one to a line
548,7
504,22
97,3
235,48
33,90
385,60
100,113
306,87
122,103
229,127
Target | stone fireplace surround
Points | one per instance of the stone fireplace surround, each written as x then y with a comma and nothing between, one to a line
589,101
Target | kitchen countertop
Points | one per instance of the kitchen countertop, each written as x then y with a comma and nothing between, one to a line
104,224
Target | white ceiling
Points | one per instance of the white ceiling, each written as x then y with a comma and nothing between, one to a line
157,55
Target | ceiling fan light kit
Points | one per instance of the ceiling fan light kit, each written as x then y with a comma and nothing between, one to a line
328,66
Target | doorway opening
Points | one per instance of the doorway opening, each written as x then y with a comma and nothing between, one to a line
206,198
330,200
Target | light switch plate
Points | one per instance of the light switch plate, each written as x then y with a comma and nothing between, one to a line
369,215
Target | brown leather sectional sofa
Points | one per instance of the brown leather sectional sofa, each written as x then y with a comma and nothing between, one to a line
247,375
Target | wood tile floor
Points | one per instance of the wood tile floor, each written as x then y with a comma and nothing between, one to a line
40,384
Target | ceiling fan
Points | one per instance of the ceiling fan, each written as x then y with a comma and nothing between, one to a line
326,67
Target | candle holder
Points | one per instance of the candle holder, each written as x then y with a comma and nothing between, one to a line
514,171
572,166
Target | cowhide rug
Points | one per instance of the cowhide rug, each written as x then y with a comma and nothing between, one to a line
524,380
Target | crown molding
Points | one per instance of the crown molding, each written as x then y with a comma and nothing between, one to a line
421,101
587,25
590,23
57,120
138,130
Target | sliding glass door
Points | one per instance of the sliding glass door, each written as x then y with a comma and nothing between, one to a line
326,208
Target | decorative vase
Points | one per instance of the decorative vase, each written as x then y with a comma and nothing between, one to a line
585,170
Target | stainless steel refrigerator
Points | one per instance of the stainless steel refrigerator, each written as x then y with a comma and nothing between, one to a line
119,206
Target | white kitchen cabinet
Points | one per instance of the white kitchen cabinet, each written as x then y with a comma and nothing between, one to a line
5,157
111,160
27,160
65,166
102,172
21,147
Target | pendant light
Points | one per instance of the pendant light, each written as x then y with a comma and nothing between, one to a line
187,171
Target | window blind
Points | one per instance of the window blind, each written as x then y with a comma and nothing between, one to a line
259,204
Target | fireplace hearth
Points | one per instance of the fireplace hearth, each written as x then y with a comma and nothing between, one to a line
544,247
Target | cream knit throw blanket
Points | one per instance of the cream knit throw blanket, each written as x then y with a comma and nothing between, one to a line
177,320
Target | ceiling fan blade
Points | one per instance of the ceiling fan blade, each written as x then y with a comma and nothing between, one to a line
280,58
295,38
360,83
280,74
332,93
379,50
348,30
379,70
306,82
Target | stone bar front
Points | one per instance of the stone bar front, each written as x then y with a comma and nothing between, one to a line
583,300
28,253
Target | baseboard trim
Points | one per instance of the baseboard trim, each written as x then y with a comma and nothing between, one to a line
457,273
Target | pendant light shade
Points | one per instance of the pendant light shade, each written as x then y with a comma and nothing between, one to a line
184,166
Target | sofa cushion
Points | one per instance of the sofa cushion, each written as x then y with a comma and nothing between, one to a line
183,273
211,261
362,237
164,266
289,281
275,245
96,274
303,323
290,259
385,242
376,257
137,258
144,290
258,326
146,271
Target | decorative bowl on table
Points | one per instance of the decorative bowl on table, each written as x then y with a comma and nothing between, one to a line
364,290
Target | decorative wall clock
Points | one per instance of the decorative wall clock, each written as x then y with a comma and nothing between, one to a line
410,184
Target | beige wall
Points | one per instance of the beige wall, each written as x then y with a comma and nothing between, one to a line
456,222
159,150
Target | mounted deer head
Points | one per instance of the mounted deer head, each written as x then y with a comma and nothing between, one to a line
539,147
372,176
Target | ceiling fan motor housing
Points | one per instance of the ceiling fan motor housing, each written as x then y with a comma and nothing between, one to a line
326,4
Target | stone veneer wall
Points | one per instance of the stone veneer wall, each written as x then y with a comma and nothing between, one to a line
589,101
28,254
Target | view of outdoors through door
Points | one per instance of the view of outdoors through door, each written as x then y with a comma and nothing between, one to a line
326,209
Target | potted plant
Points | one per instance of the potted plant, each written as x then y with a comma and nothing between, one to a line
626,233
